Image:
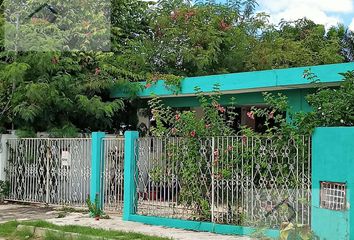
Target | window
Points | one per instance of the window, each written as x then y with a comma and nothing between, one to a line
333,196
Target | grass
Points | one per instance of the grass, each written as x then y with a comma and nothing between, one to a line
9,230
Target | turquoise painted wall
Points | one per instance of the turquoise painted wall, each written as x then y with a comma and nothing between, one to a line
333,160
296,99
289,78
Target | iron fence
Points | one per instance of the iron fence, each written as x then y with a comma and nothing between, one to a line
113,174
248,181
48,170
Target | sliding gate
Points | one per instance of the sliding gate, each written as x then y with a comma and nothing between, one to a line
49,170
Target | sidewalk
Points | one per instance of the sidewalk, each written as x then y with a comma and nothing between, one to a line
116,223
30,212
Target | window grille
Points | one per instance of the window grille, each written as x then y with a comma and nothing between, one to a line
333,196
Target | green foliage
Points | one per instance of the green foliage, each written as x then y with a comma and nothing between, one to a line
4,189
331,106
67,131
296,232
94,208
47,91
60,92
194,133
293,44
197,39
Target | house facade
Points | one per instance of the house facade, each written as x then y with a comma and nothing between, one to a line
247,89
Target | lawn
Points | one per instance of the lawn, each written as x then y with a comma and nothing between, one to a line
8,230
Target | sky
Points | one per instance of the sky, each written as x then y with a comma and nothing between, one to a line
326,12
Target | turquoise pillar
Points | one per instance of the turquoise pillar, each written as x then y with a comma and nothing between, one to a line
333,161
129,168
96,160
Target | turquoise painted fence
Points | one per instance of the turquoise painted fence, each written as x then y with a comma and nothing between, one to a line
263,149
332,164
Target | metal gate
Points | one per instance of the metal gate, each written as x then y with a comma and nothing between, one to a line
239,180
48,170
112,174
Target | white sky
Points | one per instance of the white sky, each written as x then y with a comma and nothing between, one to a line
327,12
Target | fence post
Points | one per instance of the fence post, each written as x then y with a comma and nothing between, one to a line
129,166
96,152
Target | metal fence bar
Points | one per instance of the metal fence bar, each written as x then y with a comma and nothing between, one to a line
49,170
113,174
236,180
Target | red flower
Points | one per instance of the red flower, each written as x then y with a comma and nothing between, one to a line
97,71
250,115
224,26
193,133
148,85
178,117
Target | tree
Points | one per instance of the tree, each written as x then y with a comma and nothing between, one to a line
331,106
294,44
348,46
199,39
55,90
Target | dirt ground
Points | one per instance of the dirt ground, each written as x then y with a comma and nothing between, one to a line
9,212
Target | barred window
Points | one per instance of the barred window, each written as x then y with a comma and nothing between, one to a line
333,196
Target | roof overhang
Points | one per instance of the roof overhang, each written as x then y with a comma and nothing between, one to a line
249,82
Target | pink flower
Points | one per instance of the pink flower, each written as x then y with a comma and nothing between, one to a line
193,133
221,109
216,157
148,85
97,71
229,148
250,115
207,126
178,117
244,139
271,114
174,131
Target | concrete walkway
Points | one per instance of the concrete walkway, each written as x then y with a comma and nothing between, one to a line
20,212
116,223
10,212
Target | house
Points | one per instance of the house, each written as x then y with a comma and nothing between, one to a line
247,89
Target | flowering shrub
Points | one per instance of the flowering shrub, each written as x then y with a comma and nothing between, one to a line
188,124
331,106
208,149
